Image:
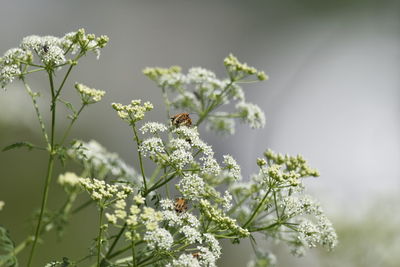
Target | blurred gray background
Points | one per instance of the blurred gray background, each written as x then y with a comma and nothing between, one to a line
333,96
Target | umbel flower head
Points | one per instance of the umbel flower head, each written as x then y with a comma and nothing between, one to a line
201,92
89,95
132,112
47,53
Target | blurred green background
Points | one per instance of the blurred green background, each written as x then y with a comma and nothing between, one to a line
333,95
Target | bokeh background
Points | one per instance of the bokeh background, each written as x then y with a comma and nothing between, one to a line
333,96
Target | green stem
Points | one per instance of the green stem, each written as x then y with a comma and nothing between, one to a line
115,241
140,157
35,105
257,209
264,228
82,206
214,104
133,249
49,168
100,236
63,82
76,115
154,187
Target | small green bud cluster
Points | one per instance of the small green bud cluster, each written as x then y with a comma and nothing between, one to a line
133,112
291,163
239,70
89,95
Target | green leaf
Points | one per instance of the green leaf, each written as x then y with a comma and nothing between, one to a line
7,257
28,145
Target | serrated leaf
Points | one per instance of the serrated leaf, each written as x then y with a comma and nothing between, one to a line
28,145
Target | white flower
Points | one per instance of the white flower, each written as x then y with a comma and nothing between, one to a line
207,258
227,201
184,260
251,114
166,204
232,167
152,146
213,244
89,95
160,238
1,204
138,199
111,218
192,234
153,127
98,158
210,166
68,178
220,124
8,73
192,186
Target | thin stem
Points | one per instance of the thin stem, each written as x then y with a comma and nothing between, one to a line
63,82
214,104
140,157
49,168
76,115
257,209
100,236
115,241
154,187
264,228
35,105
82,206
32,71
133,249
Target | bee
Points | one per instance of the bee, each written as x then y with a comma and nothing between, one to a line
196,255
181,119
180,205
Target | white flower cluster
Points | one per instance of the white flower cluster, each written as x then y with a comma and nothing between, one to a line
173,219
159,239
48,48
309,235
102,192
152,146
232,167
295,206
191,186
69,179
1,204
93,156
133,112
153,128
89,95
200,91
51,51
251,114
221,123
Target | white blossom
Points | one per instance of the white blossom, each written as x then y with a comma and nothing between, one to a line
251,114
68,178
160,238
232,167
153,127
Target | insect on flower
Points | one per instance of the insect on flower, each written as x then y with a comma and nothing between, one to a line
181,119
196,255
180,205
46,48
